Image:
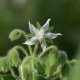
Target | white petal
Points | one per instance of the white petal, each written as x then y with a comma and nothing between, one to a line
31,41
45,27
52,35
43,45
33,29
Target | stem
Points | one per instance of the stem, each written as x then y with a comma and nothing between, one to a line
47,49
36,48
24,51
12,72
22,73
33,74
30,50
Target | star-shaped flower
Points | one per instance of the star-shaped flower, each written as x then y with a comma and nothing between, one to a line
41,34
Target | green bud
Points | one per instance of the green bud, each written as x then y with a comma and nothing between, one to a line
15,34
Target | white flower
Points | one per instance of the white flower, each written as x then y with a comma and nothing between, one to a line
41,34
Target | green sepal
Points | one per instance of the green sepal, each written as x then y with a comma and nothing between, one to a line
38,25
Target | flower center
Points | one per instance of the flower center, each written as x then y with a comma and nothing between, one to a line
40,39
40,36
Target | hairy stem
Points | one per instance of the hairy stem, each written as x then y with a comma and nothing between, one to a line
22,73
30,50
33,73
21,48
36,48
12,72
47,49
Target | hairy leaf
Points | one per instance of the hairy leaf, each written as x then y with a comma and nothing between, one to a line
3,64
50,61
13,57
62,57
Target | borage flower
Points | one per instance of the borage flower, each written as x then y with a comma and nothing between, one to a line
41,34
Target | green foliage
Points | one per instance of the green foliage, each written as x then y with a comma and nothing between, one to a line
51,62
27,69
6,77
62,57
26,64
65,69
13,57
4,64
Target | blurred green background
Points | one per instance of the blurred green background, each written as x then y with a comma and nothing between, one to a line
65,15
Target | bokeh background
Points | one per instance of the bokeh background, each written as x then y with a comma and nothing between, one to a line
65,15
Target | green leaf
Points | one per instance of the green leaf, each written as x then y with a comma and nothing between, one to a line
62,57
40,67
3,64
26,69
51,62
13,57
32,68
65,69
